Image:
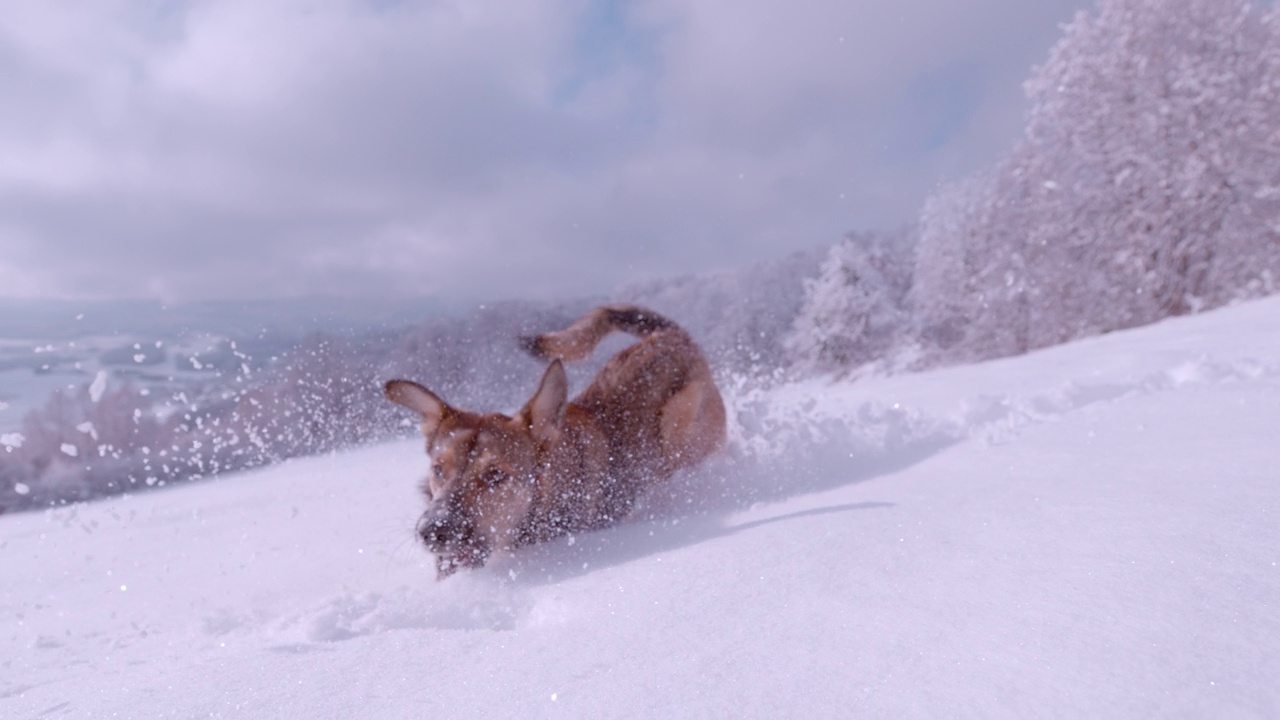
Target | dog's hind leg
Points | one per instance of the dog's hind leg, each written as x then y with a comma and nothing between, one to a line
577,341
692,422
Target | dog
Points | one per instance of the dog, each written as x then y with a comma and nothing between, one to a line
501,482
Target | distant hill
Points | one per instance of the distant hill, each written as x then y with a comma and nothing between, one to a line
52,320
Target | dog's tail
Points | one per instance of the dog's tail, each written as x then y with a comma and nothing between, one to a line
577,341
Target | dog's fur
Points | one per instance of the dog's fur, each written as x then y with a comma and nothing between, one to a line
556,467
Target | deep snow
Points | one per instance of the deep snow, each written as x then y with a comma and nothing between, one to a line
1088,531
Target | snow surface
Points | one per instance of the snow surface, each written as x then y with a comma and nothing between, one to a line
1088,531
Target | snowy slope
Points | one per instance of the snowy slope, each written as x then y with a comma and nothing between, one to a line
1089,531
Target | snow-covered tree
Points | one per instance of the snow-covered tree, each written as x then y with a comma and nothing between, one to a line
1147,185
854,310
961,273
1150,139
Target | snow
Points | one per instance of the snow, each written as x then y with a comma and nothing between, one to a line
98,386
1087,531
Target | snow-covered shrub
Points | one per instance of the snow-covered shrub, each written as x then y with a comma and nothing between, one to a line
854,311
1147,185
83,444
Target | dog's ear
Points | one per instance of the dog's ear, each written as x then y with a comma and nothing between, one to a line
545,410
409,394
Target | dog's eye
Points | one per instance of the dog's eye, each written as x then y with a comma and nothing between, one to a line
437,470
493,477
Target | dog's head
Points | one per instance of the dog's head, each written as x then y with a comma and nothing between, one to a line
484,469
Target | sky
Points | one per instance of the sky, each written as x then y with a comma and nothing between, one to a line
187,150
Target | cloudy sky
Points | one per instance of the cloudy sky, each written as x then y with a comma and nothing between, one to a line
243,149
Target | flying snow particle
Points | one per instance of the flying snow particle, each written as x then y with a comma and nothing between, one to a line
139,357
21,488
69,449
88,429
98,386
12,441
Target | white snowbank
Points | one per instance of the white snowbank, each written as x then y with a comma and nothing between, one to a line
1089,531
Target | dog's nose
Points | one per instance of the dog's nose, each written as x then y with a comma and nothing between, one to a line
430,529
438,530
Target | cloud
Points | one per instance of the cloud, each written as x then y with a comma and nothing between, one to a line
239,149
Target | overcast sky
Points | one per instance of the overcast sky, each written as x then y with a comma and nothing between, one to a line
196,150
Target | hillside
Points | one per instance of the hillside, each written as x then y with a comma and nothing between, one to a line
1084,531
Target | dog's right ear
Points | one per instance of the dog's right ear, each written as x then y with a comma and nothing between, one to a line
545,411
409,394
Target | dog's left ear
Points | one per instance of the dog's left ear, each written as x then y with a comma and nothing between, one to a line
545,410
413,396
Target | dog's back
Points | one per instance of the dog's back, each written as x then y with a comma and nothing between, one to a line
655,402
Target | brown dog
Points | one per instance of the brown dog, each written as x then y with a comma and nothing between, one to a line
556,467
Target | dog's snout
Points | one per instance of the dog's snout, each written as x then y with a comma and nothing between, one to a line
439,529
